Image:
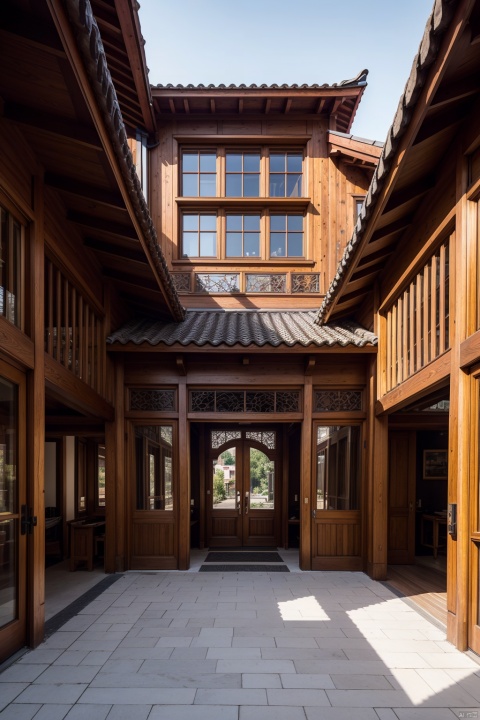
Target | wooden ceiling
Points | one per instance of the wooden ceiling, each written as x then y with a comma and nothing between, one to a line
429,129
40,94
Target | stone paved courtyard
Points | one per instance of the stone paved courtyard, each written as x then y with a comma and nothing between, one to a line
244,646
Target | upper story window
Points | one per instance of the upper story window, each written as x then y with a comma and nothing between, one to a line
243,236
199,173
199,235
286,174
242,174
10,268
286,235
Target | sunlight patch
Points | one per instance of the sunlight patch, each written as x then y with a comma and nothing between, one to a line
305,608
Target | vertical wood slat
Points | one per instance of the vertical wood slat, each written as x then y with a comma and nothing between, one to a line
92,349
399,340
394,347
433,309
426,315
405,336
50,307
389,351
80,337
74,332
86,320
441,346
58,313
418,320
66,321
411,328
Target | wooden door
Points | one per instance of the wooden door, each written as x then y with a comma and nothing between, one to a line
401,497
243,499
14,512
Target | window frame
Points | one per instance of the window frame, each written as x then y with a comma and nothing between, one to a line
15,247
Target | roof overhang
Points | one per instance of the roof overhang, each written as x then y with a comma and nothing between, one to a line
441,90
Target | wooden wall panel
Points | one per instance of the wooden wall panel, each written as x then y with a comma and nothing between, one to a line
261,527
338,537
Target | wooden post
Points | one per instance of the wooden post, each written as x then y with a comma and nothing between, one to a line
36,423
115,486
183,490
305,556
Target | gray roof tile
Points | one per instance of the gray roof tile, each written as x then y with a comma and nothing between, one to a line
244,327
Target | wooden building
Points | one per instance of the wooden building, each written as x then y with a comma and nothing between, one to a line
167,379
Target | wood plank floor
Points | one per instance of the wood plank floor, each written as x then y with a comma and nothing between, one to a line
425,586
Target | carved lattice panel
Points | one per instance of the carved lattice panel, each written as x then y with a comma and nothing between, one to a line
337,400
260,401
217,282
267,438
202,401
266,283
287,401
305,283
220,437
152,399
181,282
230,401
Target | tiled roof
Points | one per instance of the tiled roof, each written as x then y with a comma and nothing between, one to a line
430,46
359,80
349,136
245,328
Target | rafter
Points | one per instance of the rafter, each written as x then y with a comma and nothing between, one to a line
98,195
64,127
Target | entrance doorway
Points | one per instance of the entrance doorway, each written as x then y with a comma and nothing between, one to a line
243,506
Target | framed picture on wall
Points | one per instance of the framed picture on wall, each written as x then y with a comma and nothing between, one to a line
435,464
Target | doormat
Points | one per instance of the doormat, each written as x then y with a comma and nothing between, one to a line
243,557
244,568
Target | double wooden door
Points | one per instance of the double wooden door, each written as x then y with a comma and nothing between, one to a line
243,500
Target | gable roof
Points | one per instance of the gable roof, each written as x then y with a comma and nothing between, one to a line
442,86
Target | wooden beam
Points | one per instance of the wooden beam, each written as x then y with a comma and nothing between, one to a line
411,192
101,224
470,350
15,344
307,498
30,28
63,384
183,490
181,366
433,376
310,365
456,90
320,106
212,105
186,105
240,106
268,104
98,195
53,124
288,105
133,253
439,122
172,106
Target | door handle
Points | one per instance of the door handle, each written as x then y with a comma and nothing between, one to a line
246,503
239,504
314,514
28,521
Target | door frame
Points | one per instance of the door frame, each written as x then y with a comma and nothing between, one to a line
14,634
242,442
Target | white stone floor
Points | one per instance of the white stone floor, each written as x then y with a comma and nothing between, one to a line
244,646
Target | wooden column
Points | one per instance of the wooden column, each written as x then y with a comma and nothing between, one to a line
376,497
183,491
36,421
305,557
116,505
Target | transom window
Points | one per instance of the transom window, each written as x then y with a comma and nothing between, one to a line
199,173
286,174
242,174
199,235
243,236
286,235
10,268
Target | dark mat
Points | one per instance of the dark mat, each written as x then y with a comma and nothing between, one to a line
244,568
243,556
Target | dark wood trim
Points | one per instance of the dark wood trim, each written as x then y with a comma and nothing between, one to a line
183,492
433,376
16,345
74,391
470,350
306,469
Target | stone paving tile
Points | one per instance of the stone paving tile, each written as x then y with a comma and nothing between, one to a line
259,680
88,712
228,696
271,713
9,691
127,712
19,712
297,698
289,680
316,713
137,696
361,682
54,693
194,712
67,675
18,673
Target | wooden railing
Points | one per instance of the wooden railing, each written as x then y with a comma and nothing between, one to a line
74,332
418,323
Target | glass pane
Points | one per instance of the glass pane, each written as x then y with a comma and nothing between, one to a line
252,244
224,495
262,481
234,244
251,162
234,162
278,222
8,571
277,162
295,244
8,447
101,476
294,162
208,244
208,185
190,162
294,185
295,222
153,464
190,222
190,244
234,222
277,245
277,185
234,186
252,222
251,185
190,186
208,162
208,222
338,463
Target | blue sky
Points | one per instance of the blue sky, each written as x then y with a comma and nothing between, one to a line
296,41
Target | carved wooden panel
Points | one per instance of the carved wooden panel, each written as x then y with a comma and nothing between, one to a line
266,438
337,400
305,283
238,401
217,282
150,399
182,281
266,283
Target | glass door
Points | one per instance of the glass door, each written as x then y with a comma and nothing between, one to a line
12,504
